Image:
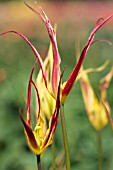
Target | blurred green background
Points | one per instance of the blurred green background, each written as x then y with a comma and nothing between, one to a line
75,21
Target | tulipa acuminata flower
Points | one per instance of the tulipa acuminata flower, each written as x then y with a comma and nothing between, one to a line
95,107
53,93
39,138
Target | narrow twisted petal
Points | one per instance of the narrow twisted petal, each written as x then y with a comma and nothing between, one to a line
33,49
38,101
30,134
73,75
92,70
27,125
29,96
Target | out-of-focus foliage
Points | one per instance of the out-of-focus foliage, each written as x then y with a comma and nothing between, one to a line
16,60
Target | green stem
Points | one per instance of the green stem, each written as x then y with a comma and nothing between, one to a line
100,154
64,132
38,162
53,155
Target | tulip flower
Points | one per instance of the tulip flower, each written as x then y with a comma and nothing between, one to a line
95,107
40,137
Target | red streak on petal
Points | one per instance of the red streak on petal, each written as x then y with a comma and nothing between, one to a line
37,98
33,49
56,56
29,133
29,96
73,75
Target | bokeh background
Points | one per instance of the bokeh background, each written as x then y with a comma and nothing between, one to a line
75,20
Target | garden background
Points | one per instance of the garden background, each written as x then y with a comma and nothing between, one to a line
75,20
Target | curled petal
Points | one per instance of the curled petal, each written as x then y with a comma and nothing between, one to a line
75,71
102,40
33,49
99,21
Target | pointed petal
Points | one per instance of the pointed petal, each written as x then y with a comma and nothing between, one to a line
33,49
56,56
29,134
75,71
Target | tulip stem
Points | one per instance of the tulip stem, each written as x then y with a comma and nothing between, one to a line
100,154
38,162
53,155
64,132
